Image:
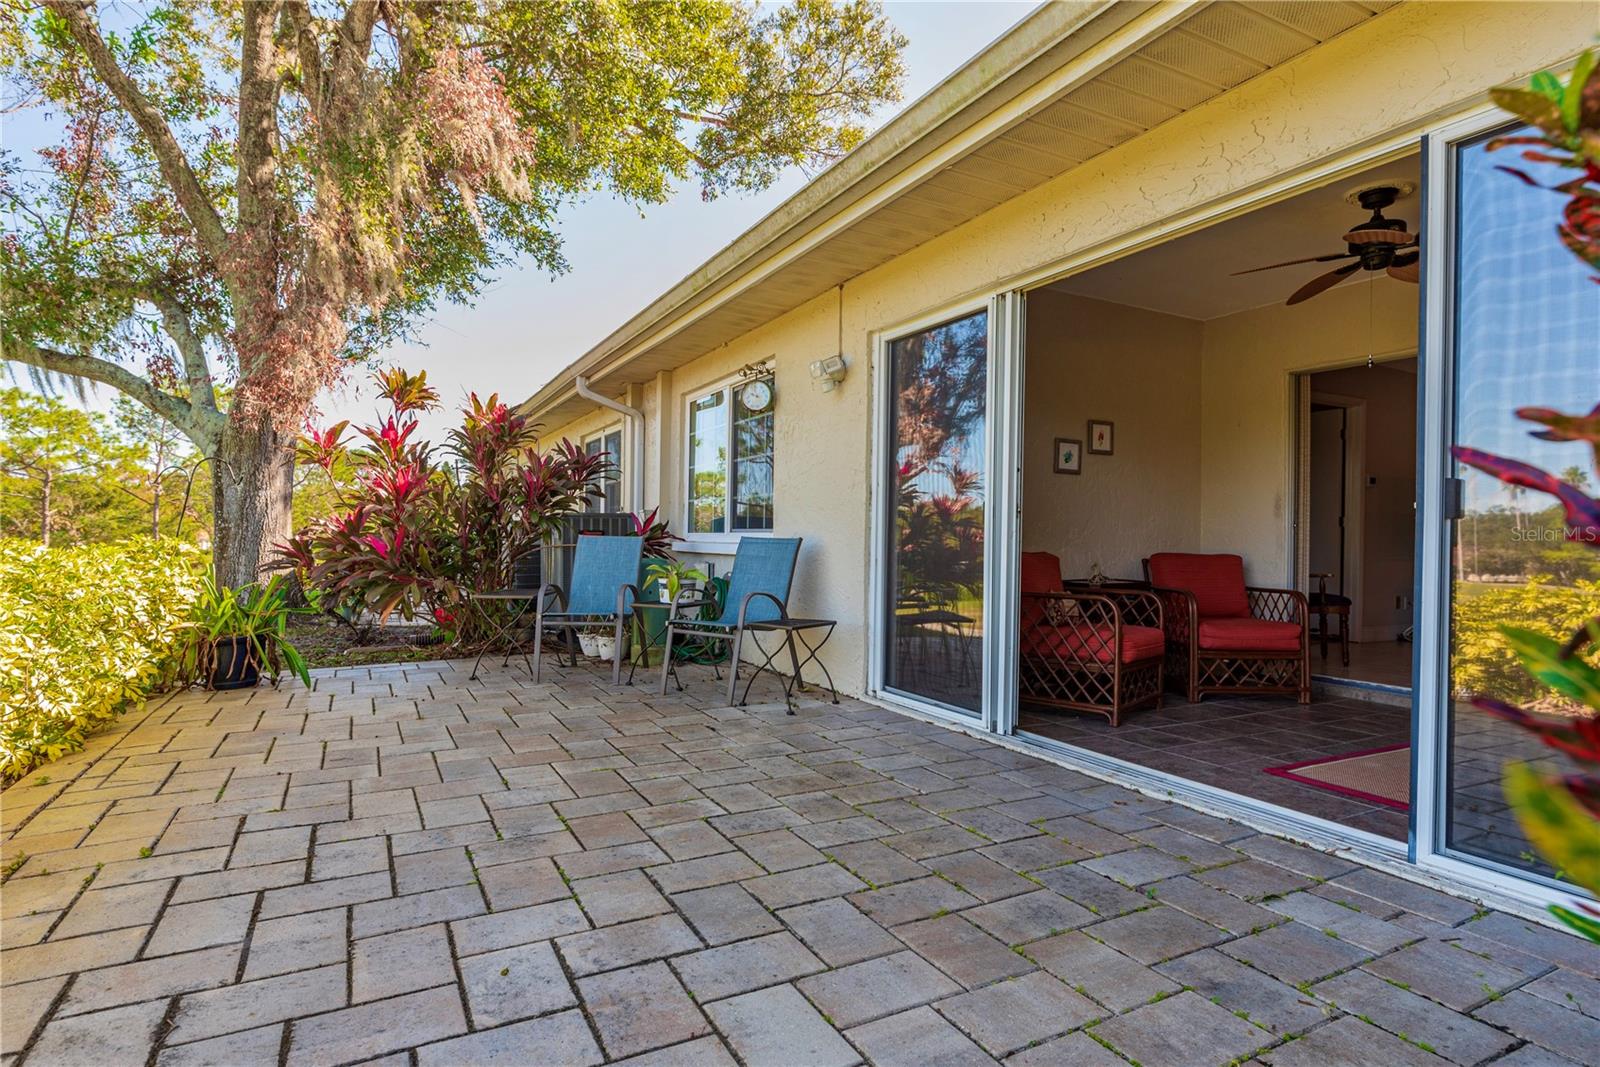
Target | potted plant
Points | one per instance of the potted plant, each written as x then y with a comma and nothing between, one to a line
238,631
605,645
672,578
589,641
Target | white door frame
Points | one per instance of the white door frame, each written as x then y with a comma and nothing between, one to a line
1437,496
882,492
1003,537
1355,468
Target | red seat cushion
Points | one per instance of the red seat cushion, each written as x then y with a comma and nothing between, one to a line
1249,635
1084,642
1041,573
1215,581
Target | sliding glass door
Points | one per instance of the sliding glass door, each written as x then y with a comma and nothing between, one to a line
1521,328
936,503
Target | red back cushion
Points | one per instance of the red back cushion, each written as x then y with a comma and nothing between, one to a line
1215,581
1041,573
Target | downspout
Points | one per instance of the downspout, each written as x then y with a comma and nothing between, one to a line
635,462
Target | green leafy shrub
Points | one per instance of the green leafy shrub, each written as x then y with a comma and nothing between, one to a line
1484,662
85,631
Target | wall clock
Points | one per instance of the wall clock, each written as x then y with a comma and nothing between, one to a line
757,396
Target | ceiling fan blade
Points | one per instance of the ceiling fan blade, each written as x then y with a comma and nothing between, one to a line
1323,282
1388,237
1289,263
1407,268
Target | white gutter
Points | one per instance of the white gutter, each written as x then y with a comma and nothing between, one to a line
635,462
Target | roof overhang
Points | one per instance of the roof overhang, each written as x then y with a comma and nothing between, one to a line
1070,81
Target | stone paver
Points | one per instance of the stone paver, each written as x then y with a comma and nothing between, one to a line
1186,1028
400,865
916,1038
777,1027
515,983
1012,1015
641,1008
746,965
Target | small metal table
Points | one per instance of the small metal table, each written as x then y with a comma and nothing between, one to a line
795,636
652,637
523,599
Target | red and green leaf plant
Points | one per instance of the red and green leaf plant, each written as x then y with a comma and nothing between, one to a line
656,534
1560,813
416,536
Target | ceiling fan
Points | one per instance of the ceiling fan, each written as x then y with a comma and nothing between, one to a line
1376,244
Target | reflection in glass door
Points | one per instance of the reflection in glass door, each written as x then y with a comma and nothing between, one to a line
938,381
1526,319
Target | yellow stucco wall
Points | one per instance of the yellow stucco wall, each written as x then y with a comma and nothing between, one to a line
1389,79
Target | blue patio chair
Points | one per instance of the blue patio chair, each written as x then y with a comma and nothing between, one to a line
604,572
758,599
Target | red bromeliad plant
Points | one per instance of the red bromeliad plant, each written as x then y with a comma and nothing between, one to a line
1560,814
418,536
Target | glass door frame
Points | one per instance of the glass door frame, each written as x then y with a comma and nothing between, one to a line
1437,504
1002,444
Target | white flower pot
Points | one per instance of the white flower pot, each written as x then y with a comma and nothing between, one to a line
666,597
605,647
589,643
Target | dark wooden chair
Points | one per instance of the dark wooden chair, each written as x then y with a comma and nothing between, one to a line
1088,648
1324,604
1226,637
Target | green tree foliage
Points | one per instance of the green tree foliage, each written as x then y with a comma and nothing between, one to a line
68,475
260,193
60,472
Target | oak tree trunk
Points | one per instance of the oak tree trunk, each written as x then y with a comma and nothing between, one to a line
252,488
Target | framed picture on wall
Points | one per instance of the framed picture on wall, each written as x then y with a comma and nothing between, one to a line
1100,443
1069,456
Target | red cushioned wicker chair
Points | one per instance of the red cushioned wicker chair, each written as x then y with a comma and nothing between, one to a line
1088,648
1226,637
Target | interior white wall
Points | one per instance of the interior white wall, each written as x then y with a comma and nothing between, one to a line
1088,359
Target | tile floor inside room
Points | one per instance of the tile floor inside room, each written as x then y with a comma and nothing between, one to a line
1230,741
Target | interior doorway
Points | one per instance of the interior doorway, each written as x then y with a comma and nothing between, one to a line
1357,518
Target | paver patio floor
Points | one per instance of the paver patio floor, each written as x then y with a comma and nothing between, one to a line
407,867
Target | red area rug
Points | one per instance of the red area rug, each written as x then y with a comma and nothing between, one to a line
1376,775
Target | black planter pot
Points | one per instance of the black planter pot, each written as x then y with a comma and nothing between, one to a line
233,668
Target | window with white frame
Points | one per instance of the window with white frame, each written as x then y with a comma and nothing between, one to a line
730,458
609,442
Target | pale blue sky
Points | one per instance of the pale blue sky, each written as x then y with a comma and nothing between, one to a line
527,325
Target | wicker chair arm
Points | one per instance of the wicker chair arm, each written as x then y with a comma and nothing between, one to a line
1180,614
1278,605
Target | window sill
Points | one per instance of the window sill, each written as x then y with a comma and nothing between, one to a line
714,544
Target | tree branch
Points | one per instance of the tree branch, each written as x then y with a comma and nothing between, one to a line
200,427
258,124
169,154
202,392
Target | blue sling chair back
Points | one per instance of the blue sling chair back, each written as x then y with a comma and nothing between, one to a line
758,592
604,572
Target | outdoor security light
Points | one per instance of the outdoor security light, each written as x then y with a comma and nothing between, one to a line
826,374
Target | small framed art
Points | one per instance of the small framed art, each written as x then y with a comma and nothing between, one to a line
1069,456
1100,439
